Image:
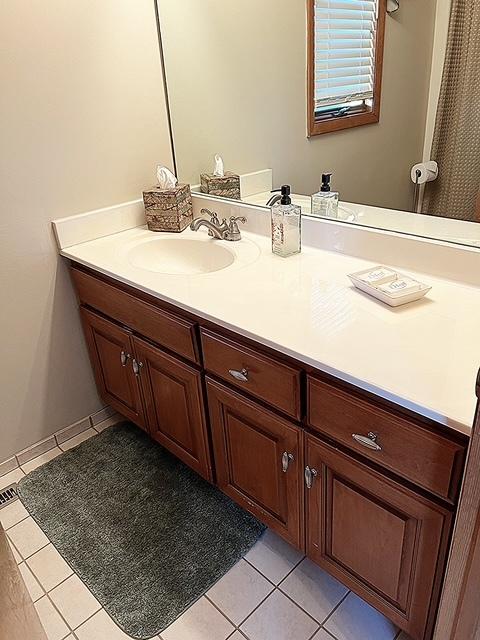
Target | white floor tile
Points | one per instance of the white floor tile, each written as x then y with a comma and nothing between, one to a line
12,514
278,618
273,557
33,588
76,440
101,426
239,591
100,627
313,589
74,601
18,558
323,635
49,567
236,636
52,622
27,537
10,478
201,622
39,460
354,618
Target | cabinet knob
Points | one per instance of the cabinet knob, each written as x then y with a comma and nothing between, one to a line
310,475
369,441
241,376
136,366
286,459
124,357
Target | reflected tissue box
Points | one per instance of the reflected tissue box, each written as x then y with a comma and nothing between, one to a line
227,186
168,209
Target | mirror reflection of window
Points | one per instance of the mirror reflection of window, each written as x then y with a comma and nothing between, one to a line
345,63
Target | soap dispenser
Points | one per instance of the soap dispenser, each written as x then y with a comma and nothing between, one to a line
286,226
325,202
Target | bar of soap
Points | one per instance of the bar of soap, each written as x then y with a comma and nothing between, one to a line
378,276
400,287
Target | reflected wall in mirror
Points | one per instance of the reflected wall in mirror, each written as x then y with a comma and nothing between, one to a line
253,80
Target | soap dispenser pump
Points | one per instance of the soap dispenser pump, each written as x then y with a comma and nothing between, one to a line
286,225
325,202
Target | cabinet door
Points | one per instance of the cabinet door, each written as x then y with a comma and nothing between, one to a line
382,540
111,352
258,459
173,398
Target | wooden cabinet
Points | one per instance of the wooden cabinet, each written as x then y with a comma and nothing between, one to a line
259,460
172,391
377,511
111,352
382,540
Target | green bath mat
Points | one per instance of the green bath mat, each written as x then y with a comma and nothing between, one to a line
144,532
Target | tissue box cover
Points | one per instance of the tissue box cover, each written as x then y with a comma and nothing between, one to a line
170,209
227,187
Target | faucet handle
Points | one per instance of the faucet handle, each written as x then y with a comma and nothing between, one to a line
213,219
213,215
233,232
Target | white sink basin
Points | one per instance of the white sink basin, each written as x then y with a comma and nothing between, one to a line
180,255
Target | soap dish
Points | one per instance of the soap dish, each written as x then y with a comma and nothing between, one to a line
389,286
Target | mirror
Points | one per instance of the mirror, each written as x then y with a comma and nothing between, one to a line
383,95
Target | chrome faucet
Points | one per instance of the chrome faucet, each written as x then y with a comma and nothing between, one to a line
220,230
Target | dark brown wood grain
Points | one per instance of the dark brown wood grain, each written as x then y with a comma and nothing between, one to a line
117,384
377,537
172,391
317,127
427,459
173,332
248,443
268,379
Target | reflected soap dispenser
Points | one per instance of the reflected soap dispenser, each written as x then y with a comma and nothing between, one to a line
325,202
286,226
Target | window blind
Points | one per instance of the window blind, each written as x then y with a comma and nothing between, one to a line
345,37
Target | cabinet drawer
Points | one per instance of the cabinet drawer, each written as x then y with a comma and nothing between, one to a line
168,330
427,459
274,382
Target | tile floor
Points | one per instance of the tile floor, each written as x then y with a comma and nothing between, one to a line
274,593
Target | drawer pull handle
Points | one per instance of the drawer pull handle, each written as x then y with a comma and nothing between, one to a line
310,475
241,376
124,358
369,441
136,366
286,459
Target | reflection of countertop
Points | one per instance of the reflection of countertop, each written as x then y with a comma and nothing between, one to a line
458,231
424,356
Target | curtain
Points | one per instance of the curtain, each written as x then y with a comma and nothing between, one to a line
456,141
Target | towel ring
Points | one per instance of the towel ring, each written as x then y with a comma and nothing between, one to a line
393,5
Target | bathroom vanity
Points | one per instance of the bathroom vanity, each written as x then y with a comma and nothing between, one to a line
367,488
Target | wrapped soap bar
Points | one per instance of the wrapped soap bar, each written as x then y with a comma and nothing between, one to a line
378,276
400,287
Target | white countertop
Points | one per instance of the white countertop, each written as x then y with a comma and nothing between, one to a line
423,356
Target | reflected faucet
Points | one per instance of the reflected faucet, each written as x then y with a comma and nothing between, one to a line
275,198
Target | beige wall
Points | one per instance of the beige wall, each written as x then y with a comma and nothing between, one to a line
236,74
442,21
82,125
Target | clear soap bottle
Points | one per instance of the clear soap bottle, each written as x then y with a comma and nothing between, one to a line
286,226
325,202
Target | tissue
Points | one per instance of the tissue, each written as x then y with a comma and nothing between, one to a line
219,170
165,178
